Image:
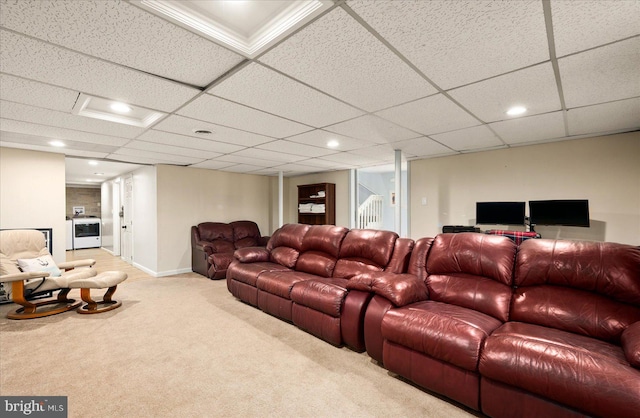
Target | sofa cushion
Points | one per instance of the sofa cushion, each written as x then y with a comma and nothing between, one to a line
471,270
221,246
245,229
289,235
246,242
472,253
248,272
369,244
449,333
323,295
473,292
316,262
211,231
363,251
573,310
584,373
324,238
589,288
286,256
280,283
603,267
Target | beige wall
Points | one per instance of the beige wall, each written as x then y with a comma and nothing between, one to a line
188,196
32,193
88,197
341,180
605,170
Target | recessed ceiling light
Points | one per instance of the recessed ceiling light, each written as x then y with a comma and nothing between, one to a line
333,143
92,162
99,174
516,110
56,143
120,107
99,108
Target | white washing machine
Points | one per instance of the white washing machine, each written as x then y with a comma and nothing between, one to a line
86,233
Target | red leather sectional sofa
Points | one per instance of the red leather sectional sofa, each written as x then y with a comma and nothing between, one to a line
301,276
548,328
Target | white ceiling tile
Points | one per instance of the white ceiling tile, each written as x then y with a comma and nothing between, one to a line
422,147
372,128
601,75
46,63
381,152
51,132
186,126
320,138
137,159
42,144
29,92
242,159
530,128
270,156
350,159
362,71
223,112
119,32
615,116
295,168
579,25
432,115
172,149
213,165
269,91
158,157
459,42
243,168
173,139
534,88
296,148
477,137
324,164
26,113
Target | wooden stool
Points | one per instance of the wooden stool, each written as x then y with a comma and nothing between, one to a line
107,279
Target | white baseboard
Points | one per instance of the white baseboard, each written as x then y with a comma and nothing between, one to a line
162,273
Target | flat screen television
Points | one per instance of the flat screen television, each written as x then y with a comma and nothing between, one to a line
559,212
500,213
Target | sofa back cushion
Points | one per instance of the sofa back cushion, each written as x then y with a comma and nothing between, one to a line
588,288
472,270
365,250
212,231
245,233
285,244
320,248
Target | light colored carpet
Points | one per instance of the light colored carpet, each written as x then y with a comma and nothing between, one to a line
183,346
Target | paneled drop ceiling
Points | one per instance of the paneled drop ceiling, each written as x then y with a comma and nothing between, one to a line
430,78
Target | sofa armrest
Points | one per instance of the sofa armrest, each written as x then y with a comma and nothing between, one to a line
69,265
26,275
251,254
204,246
399,289
631,344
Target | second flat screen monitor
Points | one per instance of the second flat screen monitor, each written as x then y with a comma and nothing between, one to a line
500,213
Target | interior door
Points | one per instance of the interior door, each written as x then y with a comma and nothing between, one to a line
126,218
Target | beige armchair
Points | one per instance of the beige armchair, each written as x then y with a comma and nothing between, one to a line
27,265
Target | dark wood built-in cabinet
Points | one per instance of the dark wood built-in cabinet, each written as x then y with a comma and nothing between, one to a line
317,204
